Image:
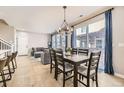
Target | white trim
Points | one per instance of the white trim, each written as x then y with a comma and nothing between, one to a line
4,51
119,75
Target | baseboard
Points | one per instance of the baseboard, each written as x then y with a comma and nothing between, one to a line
22,55
119,75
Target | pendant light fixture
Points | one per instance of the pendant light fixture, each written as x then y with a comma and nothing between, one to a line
65,26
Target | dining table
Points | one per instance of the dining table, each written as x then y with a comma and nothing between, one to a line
76,60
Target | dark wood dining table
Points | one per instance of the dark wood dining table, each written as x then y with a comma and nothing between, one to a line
76,60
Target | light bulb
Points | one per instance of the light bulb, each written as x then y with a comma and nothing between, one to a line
59,28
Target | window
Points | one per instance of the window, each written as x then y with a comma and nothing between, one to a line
99,43
87,36
91,35
63,40
81,37
59,41
54,41
96,34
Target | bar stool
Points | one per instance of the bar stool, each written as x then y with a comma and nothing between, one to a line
15,55
8,60
2,65
13,61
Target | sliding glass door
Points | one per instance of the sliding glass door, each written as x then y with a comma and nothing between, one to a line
91,35
81,34
96,36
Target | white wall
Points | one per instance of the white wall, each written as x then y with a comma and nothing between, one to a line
118,40
7,33
38,40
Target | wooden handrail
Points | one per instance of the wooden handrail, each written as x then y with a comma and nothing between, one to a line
5,42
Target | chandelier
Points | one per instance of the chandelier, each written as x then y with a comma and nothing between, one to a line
65,26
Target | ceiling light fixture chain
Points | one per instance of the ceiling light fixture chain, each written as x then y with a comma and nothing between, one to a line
64,13
64,27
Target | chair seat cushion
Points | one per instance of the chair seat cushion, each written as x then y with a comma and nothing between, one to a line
68,67
83,70
53,62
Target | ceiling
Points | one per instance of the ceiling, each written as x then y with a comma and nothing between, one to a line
42,19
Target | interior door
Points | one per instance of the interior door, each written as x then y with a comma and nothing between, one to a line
23,43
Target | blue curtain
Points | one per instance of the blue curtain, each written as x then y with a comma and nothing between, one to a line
108,43
73,39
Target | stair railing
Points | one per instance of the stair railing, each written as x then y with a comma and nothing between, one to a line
5,48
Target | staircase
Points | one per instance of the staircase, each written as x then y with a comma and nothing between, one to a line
5,48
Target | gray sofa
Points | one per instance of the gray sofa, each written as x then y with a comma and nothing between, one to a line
36,52
45,57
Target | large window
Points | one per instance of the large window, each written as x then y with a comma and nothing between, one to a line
81,35
59,41
96,34
63,41
91,35
54,41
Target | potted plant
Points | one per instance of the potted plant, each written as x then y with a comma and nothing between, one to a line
68,51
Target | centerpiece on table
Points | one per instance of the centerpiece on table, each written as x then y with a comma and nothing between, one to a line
68,51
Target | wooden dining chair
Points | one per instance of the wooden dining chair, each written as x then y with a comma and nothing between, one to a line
74,51
52,57
2,65
63,67
90,72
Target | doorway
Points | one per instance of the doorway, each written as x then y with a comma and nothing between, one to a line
22,43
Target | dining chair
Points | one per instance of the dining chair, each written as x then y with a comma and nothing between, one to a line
74,51
52,57
2,65
62,66
91,71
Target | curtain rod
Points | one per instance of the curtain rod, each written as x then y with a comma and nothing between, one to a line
91,17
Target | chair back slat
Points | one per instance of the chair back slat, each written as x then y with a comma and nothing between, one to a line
83,51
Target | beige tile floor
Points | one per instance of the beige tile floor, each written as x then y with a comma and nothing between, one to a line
31,73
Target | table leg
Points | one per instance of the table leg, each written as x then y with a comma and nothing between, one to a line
75,76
